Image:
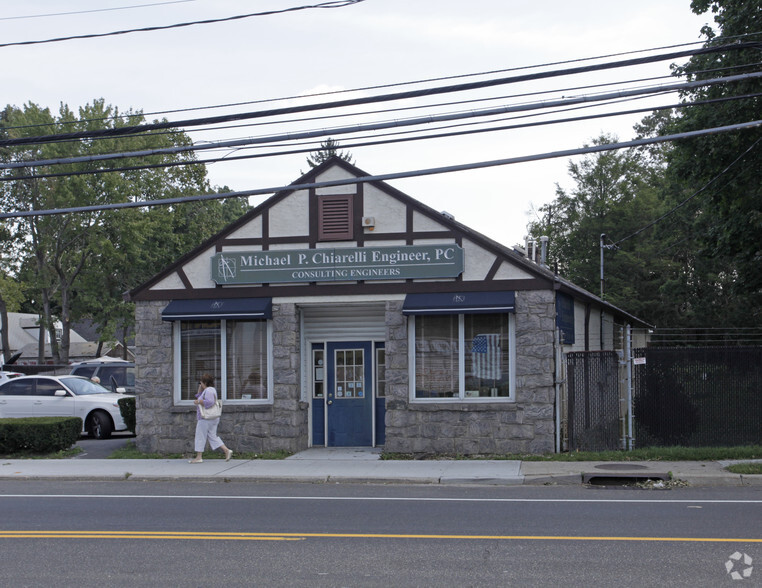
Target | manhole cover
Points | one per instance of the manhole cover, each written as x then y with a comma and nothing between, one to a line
620,466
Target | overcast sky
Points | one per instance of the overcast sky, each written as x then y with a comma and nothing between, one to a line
375,42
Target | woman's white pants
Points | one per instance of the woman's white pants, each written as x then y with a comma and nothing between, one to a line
206,430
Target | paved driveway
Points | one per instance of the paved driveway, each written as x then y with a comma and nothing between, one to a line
101,448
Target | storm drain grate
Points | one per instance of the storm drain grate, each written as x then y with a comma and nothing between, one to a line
622,479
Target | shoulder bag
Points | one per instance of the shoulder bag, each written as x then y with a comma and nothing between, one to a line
213,412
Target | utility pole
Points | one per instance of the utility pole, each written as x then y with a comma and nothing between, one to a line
603,237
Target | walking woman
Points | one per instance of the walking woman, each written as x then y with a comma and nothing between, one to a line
206,430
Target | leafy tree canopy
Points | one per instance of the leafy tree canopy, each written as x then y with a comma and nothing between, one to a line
78,265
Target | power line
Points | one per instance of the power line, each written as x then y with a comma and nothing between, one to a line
227,158
355,114
376,87
371,99
385,177
692,196
375,125
344,115
94,10
329,4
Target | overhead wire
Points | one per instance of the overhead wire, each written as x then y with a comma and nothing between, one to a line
385,86
316,147
328,4
385,177
377,125
719,39
423,81
367,100
258,123
564,90
94,10
692,196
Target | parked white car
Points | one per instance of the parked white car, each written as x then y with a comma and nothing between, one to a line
5,376
46,396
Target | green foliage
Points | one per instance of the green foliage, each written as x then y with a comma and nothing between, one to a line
39,434
127,410
675,453
699,265
328,148
750,468
715,241
129,451
616,194
79,265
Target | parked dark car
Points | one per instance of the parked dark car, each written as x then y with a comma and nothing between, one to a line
117,376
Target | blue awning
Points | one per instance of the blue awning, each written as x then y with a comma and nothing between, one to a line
218,309
459,303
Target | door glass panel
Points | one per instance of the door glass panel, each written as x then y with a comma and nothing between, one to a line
350,366
319,373
380,373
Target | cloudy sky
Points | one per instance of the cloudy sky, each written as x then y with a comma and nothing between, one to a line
372,43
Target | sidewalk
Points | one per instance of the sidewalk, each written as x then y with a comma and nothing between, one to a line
362,465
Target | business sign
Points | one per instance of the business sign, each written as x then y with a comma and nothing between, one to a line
339,264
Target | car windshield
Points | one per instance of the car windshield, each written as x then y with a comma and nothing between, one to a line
82,386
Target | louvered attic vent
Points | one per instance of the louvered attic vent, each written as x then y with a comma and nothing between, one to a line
335,218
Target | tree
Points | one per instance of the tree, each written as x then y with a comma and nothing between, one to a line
718,242
78,265
328,148
615,194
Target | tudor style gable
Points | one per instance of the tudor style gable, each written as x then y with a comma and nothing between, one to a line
268,251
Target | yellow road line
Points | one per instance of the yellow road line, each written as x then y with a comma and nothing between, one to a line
302,536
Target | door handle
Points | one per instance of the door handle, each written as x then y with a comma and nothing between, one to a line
329,402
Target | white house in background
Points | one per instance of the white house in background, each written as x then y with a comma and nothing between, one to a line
24,336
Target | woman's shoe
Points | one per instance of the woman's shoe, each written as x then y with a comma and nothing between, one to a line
228,454
197,460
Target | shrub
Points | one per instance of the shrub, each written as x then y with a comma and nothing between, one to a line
127,408
39,434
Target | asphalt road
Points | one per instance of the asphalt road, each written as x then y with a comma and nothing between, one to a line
242,534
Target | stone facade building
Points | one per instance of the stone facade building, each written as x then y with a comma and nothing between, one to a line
346,313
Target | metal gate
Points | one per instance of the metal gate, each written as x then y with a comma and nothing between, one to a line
592,386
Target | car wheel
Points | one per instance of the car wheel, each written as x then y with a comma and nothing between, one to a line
100,426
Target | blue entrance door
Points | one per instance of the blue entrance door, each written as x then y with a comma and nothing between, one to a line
349,394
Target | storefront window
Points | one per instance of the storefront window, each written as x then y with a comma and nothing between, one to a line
246,360
463,357
200,353
436,356
487,360
243,375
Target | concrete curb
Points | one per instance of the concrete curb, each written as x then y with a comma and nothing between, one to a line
338,470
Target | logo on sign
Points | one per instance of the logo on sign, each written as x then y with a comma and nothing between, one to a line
226,268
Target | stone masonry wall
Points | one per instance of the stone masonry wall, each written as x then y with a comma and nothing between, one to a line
165,428
524,426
